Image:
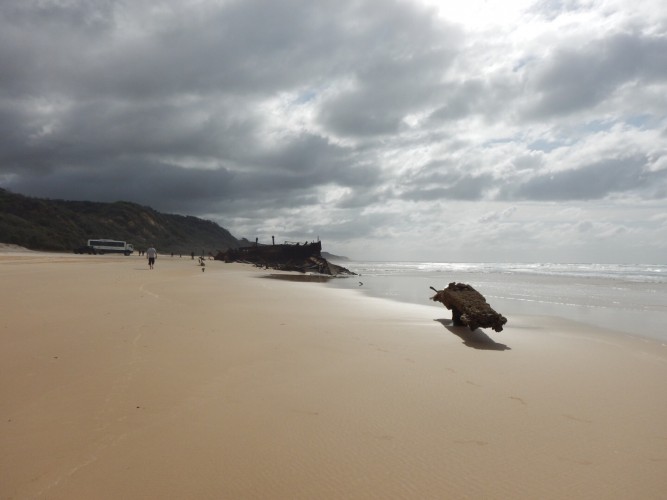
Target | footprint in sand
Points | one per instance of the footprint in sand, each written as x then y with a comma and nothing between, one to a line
577,419
307,412
380,437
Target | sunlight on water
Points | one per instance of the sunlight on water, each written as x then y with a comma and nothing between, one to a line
627,298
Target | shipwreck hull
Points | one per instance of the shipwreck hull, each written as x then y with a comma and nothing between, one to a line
302,258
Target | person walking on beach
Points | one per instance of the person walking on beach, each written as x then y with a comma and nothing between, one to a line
151,254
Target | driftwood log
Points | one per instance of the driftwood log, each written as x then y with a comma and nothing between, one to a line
469,307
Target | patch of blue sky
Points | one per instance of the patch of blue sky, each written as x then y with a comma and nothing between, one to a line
498,141
640,121
637,121
597,126
523,62
545,145
305,97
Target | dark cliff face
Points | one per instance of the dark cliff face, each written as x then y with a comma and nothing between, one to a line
60,225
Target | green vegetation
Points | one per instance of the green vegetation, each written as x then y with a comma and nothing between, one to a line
59,225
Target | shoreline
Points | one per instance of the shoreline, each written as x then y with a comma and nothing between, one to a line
119,381
622,307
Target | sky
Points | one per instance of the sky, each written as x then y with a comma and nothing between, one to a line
476,131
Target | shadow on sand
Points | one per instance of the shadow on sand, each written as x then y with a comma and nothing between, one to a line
311,278
476,339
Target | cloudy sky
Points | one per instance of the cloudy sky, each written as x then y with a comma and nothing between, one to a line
392,130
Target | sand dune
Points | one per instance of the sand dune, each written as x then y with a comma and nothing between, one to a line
121,382
11,248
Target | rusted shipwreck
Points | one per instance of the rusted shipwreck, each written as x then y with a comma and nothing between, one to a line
300,257
469,307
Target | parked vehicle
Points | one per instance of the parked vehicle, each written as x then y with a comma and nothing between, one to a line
85,249
106,246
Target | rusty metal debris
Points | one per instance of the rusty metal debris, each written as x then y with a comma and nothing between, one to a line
301,257
469,307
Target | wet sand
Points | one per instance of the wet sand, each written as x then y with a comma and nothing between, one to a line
121,382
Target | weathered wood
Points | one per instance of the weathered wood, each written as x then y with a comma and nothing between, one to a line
469,307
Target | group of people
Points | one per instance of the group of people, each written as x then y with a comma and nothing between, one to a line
151,255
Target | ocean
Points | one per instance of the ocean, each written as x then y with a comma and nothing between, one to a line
629,299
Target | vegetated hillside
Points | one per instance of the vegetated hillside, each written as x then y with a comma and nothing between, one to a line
59,225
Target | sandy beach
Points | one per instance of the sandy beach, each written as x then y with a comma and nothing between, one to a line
122,382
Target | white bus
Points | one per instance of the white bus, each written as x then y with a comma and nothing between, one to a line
110,246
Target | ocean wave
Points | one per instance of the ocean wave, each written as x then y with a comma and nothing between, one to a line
638,273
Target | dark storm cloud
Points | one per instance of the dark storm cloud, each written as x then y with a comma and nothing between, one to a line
175,48
91,134
595,181
378,103
90,86
149,183
463,99
451,186
239,47
575,79
399,69
285,178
